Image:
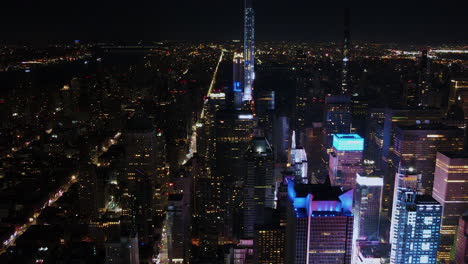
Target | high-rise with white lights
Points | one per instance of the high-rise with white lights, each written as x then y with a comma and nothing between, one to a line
450,190
249,50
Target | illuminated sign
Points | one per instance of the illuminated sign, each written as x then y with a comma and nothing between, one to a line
348,142
217,95
245,116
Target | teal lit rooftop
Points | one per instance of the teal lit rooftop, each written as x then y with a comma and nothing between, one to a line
348,142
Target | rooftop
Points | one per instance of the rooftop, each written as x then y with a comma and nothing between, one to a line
455,154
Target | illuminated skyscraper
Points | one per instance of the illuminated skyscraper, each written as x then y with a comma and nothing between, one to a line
259,185
367,205
238,79
249,49
461,245
337,117
141,149
417,231
264,109
178,228
320,224
405,180
417,145
346,44
345,160
269,245
233,131
298,161
450,190
458,95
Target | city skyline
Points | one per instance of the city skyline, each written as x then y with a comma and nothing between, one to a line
231,151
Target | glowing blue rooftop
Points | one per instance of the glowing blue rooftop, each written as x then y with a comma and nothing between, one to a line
319,200
348,142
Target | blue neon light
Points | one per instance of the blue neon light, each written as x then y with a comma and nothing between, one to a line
237,87
348,142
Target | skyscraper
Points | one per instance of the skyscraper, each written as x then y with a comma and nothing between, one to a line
237,79
249,49
270,240
458,95
405,180
259,185
450,189
417,145
346,44
417,231
461,246
298,161
367,206
320,224
233,132
178,228
337,118
265,109
141,143
345,160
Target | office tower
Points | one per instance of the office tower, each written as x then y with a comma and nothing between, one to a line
178,228
249,49
426,92
141,143
233,131
417,145
281,137
417,230
320,224
88,190
372,252
411,94
297,161
458,95
242,253
406,179
312,139
360,112
206,127
345,160
337,118
300,106
123,250
259,185
206,206
367,206
269,243
394,117
265,109
238,79
383,141
450,189
461,245
345,85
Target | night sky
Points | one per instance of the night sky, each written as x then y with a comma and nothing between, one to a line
377,21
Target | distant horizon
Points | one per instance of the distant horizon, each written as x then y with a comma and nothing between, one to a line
405,22
136,41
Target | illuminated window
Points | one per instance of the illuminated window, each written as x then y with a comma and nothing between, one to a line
426,246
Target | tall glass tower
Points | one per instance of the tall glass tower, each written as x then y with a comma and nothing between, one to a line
249,49
346,45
